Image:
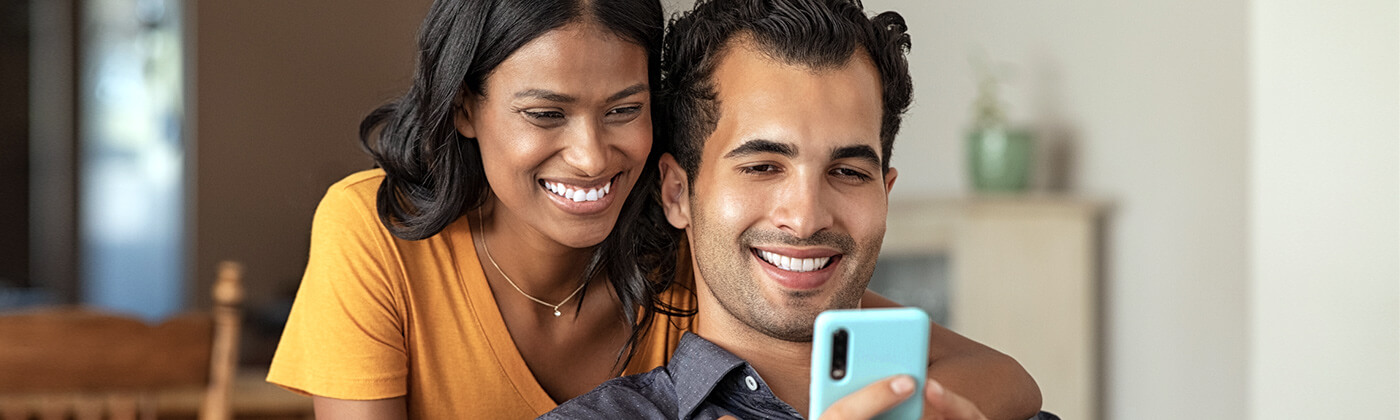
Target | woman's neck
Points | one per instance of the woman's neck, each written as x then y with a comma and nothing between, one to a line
540,266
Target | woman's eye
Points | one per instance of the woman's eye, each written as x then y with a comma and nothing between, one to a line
544,115
623,114
625,110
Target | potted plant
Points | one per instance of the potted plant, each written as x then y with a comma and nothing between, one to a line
999,154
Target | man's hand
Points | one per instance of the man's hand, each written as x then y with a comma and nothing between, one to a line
885,394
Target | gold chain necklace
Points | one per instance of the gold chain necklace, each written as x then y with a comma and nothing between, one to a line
486,246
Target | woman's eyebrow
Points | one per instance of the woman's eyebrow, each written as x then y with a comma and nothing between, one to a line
553,96
629,91
545,94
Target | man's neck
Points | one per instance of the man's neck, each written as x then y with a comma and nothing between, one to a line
784,365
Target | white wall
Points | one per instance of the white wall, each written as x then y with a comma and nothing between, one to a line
1152,97
1326,198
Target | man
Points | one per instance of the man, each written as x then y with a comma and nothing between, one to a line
785,116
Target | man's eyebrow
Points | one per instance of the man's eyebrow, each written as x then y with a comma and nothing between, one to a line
631,90
545,94
861,152
756,146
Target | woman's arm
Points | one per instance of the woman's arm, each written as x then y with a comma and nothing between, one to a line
995,382
388,409
344,336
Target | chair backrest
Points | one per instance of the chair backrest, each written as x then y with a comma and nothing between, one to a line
73,362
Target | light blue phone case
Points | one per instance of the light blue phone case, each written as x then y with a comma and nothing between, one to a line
881,343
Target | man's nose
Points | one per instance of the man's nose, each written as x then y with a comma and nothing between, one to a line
585,149
800,209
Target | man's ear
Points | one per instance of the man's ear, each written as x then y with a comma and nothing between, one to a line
890,175
460,117
675,192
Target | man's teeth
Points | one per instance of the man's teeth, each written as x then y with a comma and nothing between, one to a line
794,264
579,194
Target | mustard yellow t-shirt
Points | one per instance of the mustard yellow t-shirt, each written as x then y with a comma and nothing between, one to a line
379,317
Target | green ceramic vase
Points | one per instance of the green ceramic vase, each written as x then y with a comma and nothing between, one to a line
999,159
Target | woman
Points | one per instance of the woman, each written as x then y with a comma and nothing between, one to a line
466,278
479,273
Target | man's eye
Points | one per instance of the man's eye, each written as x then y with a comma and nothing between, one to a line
849,173
759,169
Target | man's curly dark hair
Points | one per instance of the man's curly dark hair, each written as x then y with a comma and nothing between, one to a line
819,34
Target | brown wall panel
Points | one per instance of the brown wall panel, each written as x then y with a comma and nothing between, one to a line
279,89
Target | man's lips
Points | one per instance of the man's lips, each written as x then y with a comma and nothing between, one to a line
797,260
796,268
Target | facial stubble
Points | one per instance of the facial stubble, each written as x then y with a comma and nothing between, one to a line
726,266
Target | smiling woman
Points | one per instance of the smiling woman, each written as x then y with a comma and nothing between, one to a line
571,109
526,138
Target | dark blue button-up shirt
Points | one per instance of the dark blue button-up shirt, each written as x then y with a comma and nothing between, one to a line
702,381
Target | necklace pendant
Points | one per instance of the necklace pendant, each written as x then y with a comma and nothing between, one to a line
556,312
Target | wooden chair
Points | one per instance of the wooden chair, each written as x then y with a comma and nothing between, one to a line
72,362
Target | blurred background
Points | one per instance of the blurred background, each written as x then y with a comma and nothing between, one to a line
1231,168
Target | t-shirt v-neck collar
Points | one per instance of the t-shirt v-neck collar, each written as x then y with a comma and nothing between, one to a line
493,326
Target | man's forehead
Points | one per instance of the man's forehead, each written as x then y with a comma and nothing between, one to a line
812,110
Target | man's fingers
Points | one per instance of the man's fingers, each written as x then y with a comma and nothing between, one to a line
871,400
940,403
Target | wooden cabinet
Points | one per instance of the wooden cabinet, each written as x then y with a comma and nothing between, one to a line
1022,278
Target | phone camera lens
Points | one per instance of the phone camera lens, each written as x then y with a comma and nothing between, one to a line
839,342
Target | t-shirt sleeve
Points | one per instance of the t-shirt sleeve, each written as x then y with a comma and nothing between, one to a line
344,338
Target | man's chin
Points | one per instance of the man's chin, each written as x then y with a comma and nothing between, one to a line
798,334
787,324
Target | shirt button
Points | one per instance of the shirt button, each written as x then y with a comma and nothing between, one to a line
753,384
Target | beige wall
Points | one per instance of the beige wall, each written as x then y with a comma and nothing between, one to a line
1325,215
279,88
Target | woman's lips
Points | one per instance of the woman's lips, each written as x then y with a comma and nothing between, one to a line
582,199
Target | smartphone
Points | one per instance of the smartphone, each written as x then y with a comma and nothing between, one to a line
854,348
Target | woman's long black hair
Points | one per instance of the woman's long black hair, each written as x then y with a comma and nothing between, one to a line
433,174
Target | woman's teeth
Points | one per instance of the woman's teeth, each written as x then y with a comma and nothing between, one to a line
794,264
578,194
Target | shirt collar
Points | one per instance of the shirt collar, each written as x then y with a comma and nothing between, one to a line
697,368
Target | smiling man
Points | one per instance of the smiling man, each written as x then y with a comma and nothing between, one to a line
784,116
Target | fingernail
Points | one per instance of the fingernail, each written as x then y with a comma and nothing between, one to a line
902,385
934,388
